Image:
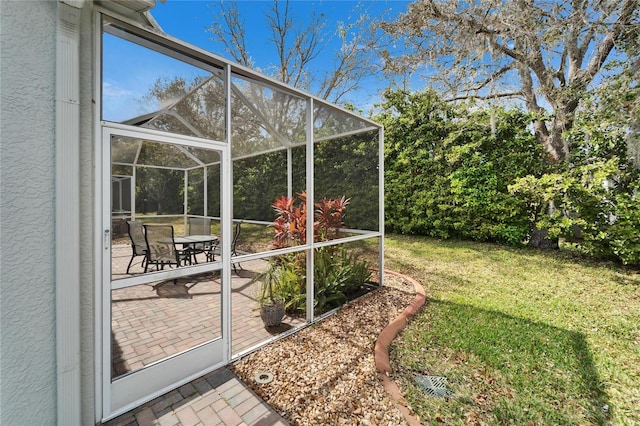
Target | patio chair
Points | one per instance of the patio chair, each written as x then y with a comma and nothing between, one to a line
138,243
234,251
201,226
234,242
161,247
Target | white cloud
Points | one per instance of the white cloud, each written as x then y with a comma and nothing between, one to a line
111,91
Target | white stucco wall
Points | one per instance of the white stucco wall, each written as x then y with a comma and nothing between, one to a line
27,226
27,214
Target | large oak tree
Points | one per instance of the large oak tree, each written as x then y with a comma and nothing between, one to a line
546,53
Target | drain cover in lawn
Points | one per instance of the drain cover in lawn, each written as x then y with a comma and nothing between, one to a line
435,386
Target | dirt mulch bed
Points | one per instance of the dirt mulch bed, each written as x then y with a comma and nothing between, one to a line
325,374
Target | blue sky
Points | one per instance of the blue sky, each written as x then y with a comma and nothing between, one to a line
189,19
130,74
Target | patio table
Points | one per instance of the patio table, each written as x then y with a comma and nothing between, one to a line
187,240
193,239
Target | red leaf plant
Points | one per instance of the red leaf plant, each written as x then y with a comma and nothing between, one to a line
328,218
291,219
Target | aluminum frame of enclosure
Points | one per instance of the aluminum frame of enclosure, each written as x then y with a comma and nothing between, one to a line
226,71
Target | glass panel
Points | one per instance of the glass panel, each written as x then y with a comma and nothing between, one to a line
264,119
158,320
204,192
250,317
346,185
146,177
214,207
299,169
330,121
127,151
158,89
170,123
253,238
344,272
199,110
258,182
121,188
195,192
124,151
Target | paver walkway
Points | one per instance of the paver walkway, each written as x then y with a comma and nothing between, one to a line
218,398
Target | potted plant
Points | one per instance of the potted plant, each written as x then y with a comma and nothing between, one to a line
271,304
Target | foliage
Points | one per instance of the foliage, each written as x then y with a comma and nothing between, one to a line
337,274
483,163
290,225
252,196
580,196
349,166
447,170
543,53
415,125
592,204
622,236
159,190
267,280
593,200
328,218
608,118
291,222
480,175
522,336
287,278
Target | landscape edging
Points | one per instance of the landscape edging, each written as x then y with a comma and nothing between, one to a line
381,348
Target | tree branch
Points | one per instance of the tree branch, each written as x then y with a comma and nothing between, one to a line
607,43
491,78
486,97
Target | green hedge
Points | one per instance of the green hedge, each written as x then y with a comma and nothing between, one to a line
447,170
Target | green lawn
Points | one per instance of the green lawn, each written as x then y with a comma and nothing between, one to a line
522,336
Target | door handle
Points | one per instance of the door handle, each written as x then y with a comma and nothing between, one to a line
107,239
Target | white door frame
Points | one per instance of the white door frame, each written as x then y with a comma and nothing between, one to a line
133,389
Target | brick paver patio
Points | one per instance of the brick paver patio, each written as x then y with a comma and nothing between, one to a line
152,322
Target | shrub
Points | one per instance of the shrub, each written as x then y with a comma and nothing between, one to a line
589,202
337,274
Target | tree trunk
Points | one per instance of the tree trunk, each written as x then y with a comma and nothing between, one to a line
539,237
539,240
